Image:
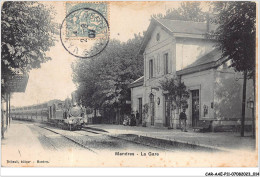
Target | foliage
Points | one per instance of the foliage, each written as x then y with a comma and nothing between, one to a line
188,11
228,98
89,110
176,91
28,31
145,114
103,81
236,34
145,108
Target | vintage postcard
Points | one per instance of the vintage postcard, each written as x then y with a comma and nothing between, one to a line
129,84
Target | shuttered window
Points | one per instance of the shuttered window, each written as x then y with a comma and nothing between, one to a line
166,63
150,68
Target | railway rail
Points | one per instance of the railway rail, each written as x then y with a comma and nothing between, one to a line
96,140
135,142
98,132
69,138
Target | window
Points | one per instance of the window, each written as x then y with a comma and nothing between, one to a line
150,68
158,64
157,36
166,63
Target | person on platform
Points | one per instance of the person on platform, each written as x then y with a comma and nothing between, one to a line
183,119
132,120
137,115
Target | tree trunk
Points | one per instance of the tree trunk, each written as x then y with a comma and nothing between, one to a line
2,123
119,113
9,108
243,105
6,109
95,113
253,110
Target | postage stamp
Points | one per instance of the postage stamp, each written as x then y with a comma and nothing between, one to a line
84,32
86,20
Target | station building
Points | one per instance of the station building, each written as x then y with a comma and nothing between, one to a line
172,48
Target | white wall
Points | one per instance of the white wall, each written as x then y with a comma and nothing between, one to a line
155,51
204,81
189,50
181,53
228,94
136,92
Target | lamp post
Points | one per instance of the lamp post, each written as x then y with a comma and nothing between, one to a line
250,105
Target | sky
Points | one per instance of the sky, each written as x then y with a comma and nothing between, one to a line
54,79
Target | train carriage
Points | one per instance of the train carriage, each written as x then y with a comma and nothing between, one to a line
64,114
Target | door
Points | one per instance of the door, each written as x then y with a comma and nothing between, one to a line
152,108
140,108
167,110
195,107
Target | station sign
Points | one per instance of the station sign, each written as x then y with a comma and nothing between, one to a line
17,82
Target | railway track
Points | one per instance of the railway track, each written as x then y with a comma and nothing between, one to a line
140,142
127,140
107,140
80,143
98,132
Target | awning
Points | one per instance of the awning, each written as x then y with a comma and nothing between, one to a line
17,82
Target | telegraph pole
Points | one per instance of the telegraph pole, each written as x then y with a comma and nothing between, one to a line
2,121
243,105
9,107
6,101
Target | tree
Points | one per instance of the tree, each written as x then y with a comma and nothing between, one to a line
188,11
176,91
236,36
28,31
102,82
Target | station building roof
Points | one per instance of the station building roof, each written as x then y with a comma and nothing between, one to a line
178,28
137,82
212,59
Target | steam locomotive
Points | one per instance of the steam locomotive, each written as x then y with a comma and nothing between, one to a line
64,114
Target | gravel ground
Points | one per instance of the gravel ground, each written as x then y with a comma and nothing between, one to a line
165,144
101,142
231,141
52,141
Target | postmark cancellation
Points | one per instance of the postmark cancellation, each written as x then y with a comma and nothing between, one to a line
84,32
